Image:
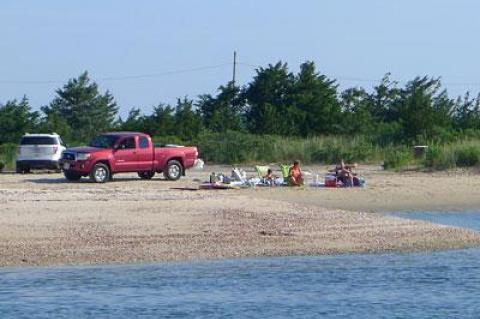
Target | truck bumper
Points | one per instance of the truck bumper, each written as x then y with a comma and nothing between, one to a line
80,167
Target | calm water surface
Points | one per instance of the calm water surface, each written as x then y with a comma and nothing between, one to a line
415,285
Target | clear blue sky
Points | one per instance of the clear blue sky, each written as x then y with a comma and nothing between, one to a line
51,41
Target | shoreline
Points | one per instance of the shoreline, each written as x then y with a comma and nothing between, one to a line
47,221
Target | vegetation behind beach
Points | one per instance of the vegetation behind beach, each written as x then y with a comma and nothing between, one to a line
278,116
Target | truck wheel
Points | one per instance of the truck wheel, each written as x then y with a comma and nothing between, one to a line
72,176
100,173
146,175
19,168
173,171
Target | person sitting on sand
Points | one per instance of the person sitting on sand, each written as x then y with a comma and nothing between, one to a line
269,178
295,177
344,173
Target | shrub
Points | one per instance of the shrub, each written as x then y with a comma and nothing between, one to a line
237,147
440,157
467,156
397,158
8,154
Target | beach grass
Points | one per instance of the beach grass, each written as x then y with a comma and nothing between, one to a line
8,153
465,153
243,148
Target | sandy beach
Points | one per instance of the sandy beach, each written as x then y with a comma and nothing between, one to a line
45,220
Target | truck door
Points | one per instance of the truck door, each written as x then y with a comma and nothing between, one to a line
145,154
125,155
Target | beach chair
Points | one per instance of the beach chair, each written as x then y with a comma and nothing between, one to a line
285,169
262,170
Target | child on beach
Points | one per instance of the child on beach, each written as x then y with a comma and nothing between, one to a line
269,179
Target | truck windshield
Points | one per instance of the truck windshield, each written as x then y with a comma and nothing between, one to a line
103,141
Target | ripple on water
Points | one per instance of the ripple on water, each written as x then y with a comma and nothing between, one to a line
416,285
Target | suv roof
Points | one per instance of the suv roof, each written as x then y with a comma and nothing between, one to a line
41,134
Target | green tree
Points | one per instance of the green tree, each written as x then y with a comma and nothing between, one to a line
314,96
54,122
188,123
357,107
424,110
82,106
383,98
16,118
269,106
135,121
467,113
161,121
224,111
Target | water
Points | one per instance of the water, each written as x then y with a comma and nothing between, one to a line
415,285
469,219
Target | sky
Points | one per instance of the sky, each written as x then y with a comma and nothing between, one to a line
147,52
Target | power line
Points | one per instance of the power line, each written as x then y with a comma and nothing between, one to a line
234,76
125,77
152,75
373,81
221,65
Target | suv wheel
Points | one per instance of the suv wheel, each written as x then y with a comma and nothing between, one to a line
72,176
100,173
146,175
19,168
173,171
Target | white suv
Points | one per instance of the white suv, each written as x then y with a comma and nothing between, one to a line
39,151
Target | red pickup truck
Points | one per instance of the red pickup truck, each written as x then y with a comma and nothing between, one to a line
121,152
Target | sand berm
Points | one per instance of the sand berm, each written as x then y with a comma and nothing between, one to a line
45,220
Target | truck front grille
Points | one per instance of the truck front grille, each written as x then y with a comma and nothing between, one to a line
68,156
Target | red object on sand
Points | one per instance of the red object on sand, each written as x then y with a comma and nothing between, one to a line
330,181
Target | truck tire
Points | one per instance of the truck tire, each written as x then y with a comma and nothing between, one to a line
72,176
100,173
173,171
146,174
19,168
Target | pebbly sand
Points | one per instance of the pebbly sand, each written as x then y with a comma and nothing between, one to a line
45,220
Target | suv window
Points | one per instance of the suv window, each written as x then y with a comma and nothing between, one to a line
61,141
144,142
38,140
127,143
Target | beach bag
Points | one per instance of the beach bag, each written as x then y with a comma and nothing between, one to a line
359,181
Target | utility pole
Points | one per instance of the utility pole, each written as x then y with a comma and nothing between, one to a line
234,75
234,66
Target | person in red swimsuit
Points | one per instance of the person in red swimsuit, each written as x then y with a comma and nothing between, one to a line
295,174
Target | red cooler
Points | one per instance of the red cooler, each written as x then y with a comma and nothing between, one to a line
330,181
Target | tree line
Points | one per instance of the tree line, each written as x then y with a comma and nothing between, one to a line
275,102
